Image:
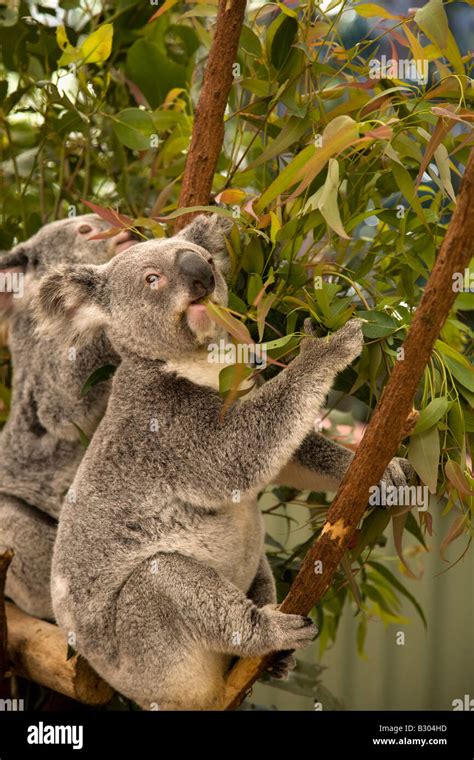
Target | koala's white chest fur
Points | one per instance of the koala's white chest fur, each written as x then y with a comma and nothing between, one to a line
199,369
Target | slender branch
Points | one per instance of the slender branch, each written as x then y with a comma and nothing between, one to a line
208,128
383,434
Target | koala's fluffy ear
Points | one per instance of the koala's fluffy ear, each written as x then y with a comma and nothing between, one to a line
72,300
210,232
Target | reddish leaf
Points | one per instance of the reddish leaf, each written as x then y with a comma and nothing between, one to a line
427,519
456,476
455,530
109,215
107,234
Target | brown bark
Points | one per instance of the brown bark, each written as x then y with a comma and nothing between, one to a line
5,560
208,129
37,651
384,433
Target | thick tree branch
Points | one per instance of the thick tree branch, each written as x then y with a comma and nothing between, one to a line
384,433
208,129
37,651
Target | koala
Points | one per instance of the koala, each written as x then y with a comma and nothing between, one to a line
159,572
40,448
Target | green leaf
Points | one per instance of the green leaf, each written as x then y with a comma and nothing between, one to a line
325,199
423,453
280,37
372,527
432,20
464,374
254,287
431,414
150,68
388,575
231,377
378,324
250,42
281,346
252,257
84,438
406,186
70,53
372,10
412,526
286,178
100,375
133,127
97,47
289,134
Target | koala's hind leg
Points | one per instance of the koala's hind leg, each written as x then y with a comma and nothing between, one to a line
31,535
177,623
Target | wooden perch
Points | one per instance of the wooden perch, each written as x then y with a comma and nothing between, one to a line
385,431
37,650
208,128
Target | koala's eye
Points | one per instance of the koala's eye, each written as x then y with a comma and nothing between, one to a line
153,280
84,229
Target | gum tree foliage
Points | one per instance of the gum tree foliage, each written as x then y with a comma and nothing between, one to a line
341,185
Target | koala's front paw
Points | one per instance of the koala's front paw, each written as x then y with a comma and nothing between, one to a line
281,665
288,631
398,473
341,348
347,342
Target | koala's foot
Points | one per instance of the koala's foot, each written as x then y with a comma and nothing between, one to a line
398,473
288,631
281,665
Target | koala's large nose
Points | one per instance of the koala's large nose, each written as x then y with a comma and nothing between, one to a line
197,274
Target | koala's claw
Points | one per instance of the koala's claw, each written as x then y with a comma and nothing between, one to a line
281,664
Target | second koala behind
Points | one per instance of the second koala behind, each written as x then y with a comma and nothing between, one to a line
158,572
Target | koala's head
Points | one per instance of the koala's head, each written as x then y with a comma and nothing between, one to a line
149,300
64,241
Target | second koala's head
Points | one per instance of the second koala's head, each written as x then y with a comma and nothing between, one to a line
66,241
149,299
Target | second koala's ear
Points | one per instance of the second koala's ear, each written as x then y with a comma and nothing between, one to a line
210,232
73,299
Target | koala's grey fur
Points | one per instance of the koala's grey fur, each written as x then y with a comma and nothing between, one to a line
159,569
40,448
